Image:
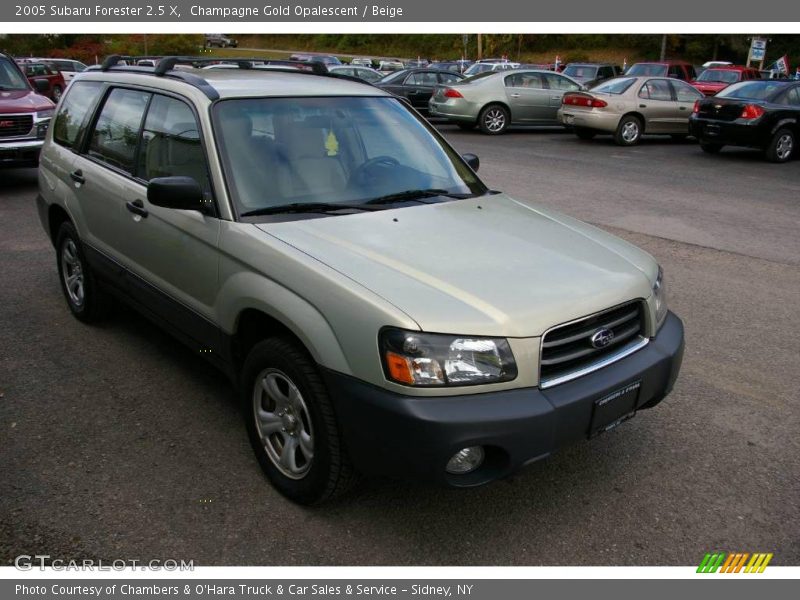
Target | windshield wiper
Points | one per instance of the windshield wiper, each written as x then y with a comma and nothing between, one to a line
416,195
305,207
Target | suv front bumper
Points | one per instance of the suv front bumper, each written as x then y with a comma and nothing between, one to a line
20,152
413,437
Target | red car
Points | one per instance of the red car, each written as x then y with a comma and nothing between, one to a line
716,79
24,117
54,84
668,68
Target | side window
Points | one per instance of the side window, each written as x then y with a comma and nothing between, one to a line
685,92
792,97
676,71
656,89
525,80
171,143
116,133
556,82
447,78
79,101
422,79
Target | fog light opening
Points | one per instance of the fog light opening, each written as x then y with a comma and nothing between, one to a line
465,460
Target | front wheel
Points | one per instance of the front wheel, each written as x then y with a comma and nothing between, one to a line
629,131
291,423
494,119
781,146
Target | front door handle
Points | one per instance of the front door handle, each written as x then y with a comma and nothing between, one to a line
77,177
137,208
643,106
515,95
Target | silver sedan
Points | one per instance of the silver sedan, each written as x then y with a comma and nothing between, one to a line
629,107
495,101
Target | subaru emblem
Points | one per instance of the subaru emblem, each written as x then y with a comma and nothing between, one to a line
602,338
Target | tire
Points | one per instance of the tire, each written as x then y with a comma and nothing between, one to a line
710,148
781,146
494,119
315,468
466,126
629,131
584,134
86,301
57,91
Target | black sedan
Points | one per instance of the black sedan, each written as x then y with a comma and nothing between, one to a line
417,85
761,114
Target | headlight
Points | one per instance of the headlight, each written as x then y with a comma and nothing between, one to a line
45,114
433,359
660,296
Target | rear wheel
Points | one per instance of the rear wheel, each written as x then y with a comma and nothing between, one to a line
710,148
584,133
781,146
629,131
291,423
494,119
85,299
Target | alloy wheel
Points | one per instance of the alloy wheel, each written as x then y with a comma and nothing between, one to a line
494,119
784,147
72,272
284,423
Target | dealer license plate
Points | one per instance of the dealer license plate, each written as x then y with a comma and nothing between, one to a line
614,408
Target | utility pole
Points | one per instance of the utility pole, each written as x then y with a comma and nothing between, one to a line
663,47
480,47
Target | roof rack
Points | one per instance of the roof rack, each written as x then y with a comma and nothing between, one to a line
166,68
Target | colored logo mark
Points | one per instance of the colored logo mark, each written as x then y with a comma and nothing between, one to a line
734,562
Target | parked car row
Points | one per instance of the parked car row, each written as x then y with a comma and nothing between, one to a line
751,112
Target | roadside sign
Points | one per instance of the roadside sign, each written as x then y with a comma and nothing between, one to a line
758,49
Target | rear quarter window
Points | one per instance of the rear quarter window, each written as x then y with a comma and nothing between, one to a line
78,103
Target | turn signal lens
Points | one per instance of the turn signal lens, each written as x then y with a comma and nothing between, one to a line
451,93
399,369
752,111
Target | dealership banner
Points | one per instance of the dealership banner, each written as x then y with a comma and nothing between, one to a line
225,11
731,588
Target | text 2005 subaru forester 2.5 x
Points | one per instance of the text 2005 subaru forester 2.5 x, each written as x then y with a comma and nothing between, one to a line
379,308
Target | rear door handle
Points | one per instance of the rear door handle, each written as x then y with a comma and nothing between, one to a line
643,106
555,97
77,177
681,108
515,95
137,208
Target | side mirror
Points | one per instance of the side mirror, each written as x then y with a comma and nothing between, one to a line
42,85
472,160
181,193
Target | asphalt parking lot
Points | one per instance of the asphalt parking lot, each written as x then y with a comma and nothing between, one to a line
116,442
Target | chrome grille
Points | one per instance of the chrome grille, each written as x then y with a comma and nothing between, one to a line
568,350
15,125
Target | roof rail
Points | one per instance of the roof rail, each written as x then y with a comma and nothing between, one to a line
166,68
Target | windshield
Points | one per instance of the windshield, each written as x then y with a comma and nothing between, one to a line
615,86
751,90
719,76
10,77
647,70
342,150
581,72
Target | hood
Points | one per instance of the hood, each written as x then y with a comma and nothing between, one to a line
484,266
16,101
